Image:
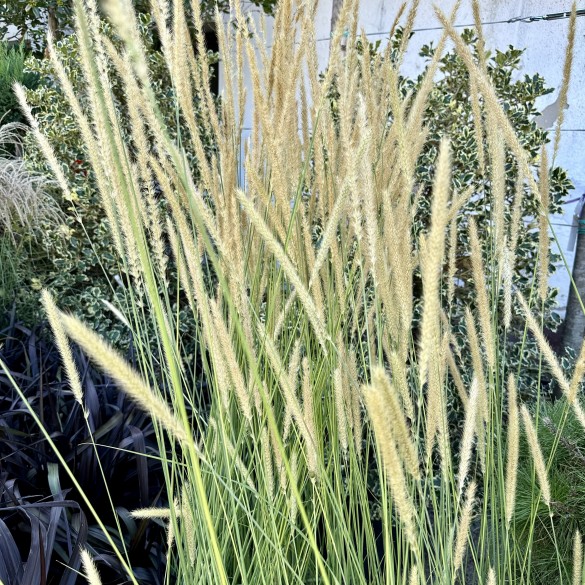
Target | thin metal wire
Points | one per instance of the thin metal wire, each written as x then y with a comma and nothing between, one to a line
514,20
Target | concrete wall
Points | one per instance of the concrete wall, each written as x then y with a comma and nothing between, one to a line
544,42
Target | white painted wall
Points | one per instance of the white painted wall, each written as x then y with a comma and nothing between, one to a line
11,34
544,43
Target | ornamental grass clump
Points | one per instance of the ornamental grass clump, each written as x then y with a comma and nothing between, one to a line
325,366
27,210
24,202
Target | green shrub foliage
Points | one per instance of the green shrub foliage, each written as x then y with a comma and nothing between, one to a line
32,19
12,70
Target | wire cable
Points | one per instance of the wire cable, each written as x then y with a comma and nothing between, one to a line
516,19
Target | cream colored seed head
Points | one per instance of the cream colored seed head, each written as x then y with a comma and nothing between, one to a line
397,419
188,523
513,449
469,429
537,457
129,380
464,525
577,558
413,579
433,261
91,572
376,405
63,346
567,67
309,417
268,468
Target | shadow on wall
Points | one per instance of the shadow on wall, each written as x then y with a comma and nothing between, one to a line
549,115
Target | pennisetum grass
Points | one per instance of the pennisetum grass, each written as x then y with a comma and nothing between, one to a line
577,558
324,370
536,453
91,572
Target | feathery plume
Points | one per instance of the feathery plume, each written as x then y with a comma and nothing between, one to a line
579,413
491,580
413,578
469,428
400,382
433,262
483,402
279,461
91,572
562,103
399,426
507,285
163,514
577,377
170,538
536,453
149,513
497,154
267,463
91,143
476,359
234,370
577,558
464,525
408,26
452,261
376,404
515,220
436,408
309,416
188,523
293,375
123,18
479,31
456,375
44,144
109,360
396,21
292,503
513,444
356,404
63,346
